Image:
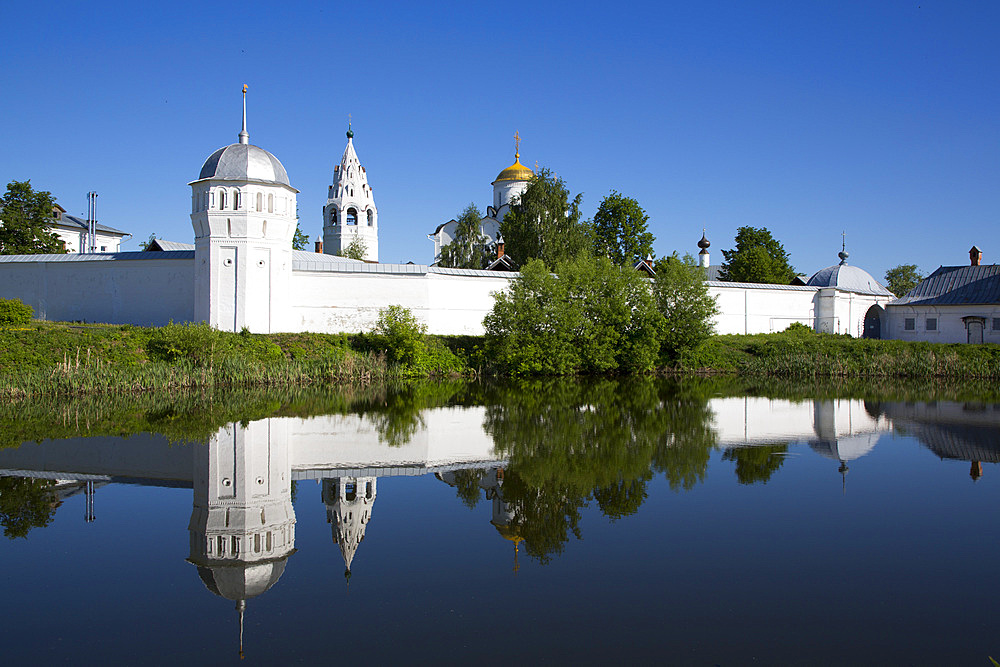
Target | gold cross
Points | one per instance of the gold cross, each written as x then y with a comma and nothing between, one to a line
517,144
244,89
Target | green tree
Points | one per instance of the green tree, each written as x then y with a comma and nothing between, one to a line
544,223
683,300
469,248
145,244
901,279
26,503
757,258
356,249
301,240
26,214
594,317
620,230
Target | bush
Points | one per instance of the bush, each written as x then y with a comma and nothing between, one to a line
400,335
594,317
198,343
14,313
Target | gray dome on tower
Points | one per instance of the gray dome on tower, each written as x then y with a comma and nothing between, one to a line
244,162
846,277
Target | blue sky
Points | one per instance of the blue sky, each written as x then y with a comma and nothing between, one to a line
809,118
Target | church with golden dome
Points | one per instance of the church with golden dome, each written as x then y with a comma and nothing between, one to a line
508,185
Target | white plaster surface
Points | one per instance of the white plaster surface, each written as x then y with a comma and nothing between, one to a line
143,292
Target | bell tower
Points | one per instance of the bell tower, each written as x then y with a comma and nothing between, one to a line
350,215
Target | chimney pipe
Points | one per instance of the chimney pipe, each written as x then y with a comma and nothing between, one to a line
319,246
975,256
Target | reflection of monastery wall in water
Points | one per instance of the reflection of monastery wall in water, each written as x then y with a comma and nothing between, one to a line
242,525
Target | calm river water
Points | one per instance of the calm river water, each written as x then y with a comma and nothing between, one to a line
563,522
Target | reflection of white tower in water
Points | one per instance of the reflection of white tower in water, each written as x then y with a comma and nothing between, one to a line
349,502
242,526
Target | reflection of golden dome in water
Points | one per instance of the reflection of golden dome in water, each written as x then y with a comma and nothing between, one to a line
515,172
511,535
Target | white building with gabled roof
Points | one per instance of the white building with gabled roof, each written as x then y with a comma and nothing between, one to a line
73,232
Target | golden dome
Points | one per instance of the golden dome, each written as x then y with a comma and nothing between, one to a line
515,172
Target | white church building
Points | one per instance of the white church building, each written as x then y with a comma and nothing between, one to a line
243,272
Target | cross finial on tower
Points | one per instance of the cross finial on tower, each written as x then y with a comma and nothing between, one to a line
517,145
244,137
843,254
350,132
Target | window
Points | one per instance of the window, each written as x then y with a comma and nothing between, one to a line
352,216
932,324
270,203
222,199
104,248
333,216
236,200
260,202
909,324
371,218
996,323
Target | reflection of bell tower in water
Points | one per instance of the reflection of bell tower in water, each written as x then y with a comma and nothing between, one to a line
242,526
349,502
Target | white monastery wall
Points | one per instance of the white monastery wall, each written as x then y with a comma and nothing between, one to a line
134,290
350,302
458,304
750,309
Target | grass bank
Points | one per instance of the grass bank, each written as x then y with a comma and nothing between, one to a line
47,359
58,359
802,353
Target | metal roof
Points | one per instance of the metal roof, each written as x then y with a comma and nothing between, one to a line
310,261
956,286
160,244
68,220
99,256
793,288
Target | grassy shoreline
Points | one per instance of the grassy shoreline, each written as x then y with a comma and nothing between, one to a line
58,359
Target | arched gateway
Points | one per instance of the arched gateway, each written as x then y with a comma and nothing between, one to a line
873,322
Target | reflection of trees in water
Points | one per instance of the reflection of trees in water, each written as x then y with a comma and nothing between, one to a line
756,464
467,487
396,416
569,442
26,503
624,498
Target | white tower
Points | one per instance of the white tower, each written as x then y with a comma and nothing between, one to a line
349,502
350,211
243,214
